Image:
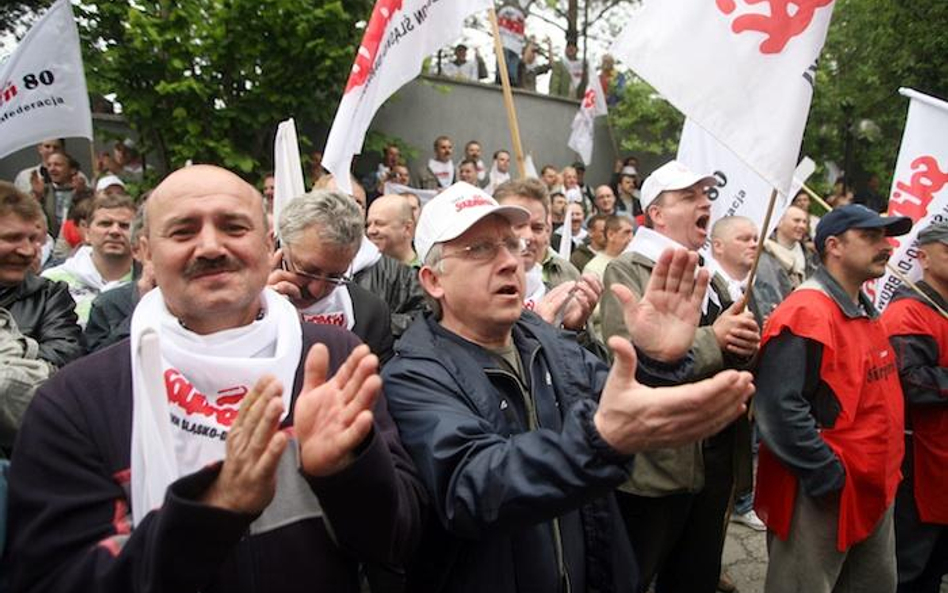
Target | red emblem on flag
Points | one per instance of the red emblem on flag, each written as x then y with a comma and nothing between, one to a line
589,99
372,40
787,19
913,198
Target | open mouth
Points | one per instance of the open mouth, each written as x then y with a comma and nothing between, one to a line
702,222
508,290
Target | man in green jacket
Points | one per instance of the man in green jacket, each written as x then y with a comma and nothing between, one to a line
675,501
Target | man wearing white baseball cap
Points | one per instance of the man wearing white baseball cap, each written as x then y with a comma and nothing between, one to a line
675,502
519,434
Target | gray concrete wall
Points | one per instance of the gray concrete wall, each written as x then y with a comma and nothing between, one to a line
422,110
428,107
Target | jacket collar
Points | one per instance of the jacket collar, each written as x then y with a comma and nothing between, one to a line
907,292
12,294
825,282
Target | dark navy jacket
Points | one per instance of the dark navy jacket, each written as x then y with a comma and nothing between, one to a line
521,492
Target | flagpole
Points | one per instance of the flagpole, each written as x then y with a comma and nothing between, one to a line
898,274
749,293
508,95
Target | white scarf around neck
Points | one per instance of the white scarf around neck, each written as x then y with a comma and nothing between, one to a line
333,309
367,256
650,244
443,171
536,289
187,388
83,267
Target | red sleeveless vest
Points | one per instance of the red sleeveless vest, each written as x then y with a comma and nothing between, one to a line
930,423
860,367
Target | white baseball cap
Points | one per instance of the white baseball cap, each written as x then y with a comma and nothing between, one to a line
108,181
670,176
452,212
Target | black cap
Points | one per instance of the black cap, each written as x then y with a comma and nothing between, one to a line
934,233
857,216
579,166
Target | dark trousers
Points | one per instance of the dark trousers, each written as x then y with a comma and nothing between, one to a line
678,539
921,548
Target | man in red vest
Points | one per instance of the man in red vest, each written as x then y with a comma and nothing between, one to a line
830,414
918,332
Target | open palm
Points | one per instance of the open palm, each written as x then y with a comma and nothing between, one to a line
332,417
662,323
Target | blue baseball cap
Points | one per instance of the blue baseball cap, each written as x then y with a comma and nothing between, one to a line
857,216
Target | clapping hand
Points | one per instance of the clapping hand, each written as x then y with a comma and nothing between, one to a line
333,417
662,323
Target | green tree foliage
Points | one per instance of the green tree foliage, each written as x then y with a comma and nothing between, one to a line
643,122
873,48
209,80
15,13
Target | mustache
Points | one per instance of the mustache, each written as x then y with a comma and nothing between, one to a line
884,258
202,266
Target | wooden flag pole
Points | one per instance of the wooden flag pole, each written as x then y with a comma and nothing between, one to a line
749,292
898,274
508,96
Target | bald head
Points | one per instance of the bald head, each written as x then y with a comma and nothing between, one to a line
207,240
725,227
195,182
391,226
393,207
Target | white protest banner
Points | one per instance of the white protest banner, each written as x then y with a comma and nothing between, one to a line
287,170
398,37
511,22
742,69
918,188
740,191
424,195
582,135
43,86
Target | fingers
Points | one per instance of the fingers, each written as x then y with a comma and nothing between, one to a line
623,368
363,401
316,367
702,281
267,425
266,389
276,260
247,403
344,374
367,367
593,283
625,295
659,278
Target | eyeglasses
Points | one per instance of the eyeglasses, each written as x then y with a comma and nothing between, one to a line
488,250
334,279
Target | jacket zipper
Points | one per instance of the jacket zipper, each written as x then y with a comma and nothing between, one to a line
533,422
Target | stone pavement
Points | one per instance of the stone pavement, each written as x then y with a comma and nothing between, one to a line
745,559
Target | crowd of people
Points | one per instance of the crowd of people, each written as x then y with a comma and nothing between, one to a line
484,383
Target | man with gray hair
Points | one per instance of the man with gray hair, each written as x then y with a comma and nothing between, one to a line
520,434
320,233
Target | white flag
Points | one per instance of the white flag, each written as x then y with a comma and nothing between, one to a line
742,69
400,34
43,86
919,186
593,105
424,195
287,170
740,191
